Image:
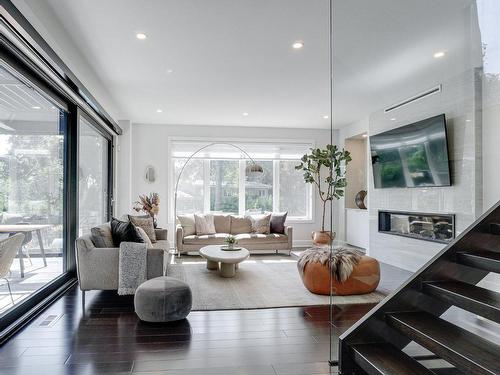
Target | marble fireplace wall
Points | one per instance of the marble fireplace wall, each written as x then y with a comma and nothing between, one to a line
460,101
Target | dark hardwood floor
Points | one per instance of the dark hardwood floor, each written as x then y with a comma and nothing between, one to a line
110,339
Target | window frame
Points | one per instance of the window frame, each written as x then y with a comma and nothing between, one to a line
311,202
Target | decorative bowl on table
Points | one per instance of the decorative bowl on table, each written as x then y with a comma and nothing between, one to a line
230,248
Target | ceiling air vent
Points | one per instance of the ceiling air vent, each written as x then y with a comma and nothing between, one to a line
432,91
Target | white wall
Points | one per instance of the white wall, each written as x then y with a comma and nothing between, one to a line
458,101
149,146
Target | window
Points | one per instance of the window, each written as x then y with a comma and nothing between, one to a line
93,177
215,178
292,190
259,189
191,186
224,186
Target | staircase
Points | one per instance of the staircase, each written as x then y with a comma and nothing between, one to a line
413,313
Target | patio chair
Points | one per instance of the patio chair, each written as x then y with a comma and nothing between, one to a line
9,247
27,239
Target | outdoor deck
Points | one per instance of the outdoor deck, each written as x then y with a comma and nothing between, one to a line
36,275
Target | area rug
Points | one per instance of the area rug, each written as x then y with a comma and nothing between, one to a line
260,282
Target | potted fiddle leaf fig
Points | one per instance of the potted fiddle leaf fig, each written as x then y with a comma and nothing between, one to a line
325,169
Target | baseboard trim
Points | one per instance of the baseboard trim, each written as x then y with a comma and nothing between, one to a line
302,243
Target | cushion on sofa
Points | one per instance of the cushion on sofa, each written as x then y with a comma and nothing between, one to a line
261,223
187,223
254,238
162,244
124,232
222,223
101,236
240,225
207,239
146,224
278,222
204,224
145,237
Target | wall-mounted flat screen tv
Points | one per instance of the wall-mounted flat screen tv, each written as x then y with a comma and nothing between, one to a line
415,155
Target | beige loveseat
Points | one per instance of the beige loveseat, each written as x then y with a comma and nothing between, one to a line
225,225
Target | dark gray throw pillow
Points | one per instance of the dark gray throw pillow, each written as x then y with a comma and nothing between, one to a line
278,222
124,232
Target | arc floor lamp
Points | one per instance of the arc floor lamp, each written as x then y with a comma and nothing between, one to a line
253,168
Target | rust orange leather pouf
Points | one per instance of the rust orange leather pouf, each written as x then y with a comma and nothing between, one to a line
364,278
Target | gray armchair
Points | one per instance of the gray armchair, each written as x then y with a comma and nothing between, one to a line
97,267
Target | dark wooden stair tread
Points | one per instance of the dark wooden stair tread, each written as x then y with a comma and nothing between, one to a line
480,301
447,371
468,352
383,358
495,228
485,260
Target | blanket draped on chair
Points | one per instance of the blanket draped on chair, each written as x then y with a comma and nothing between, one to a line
132,267
341,261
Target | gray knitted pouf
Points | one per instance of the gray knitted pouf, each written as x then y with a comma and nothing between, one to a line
162,299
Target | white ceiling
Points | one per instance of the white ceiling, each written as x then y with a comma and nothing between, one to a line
233,56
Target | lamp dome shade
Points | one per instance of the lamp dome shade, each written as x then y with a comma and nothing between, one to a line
254,168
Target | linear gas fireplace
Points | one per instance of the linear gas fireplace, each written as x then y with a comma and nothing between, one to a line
421,226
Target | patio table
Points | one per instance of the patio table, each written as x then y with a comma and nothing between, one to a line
25,228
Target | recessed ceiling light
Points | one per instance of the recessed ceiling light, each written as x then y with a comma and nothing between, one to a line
325,117
170,71
36,107
159,110
141,36
365,135
439,54
245,113
393,119
467,120
298,44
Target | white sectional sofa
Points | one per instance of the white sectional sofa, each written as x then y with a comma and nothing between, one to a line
225,225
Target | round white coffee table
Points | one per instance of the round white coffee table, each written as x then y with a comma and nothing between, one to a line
228,259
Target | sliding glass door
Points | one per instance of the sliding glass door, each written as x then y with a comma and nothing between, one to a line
32,175
93,177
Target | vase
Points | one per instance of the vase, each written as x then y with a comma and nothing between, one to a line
322,238
360,199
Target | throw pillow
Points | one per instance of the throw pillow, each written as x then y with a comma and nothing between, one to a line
188,224
102,236
124,232
261,224
241,225
145,237
222,223
278,222
145,223
204,224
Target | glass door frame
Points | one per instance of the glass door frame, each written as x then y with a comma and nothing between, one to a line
22,313
39,297
110,159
